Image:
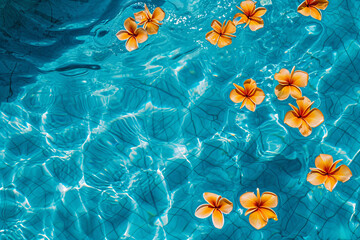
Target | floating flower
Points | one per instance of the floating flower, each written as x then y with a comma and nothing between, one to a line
327,173
290,83
250,95
222,34
250,15
132,34
304,118
259,208
150,21
217,206
311,7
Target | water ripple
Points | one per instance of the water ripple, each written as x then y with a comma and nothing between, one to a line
98,142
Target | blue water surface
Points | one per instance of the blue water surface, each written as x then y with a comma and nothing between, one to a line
101,143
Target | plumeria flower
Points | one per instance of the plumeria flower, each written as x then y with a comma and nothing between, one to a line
217,206
259,207
290,83
150,21
327,173
132,34
250,95
312,8
250,15
304,118
222,34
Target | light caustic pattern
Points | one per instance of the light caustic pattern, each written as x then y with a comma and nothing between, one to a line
101,143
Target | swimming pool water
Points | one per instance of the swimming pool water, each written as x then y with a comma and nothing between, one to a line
101,143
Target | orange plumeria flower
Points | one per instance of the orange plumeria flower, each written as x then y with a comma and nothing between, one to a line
290,83
326,172
132,34
222,34
150,21
302,117
311,7
259,208
250,95
250,15
217,206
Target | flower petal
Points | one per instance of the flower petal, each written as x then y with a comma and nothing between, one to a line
248,7
130,25
131,44
211,198
229,28
248,200
148,12
304,9
314,118
250,210
292,71
259,12
318,170
250,86
225,205
152,28
243,103
300,78
269,200
305,129
250,104
296,110
141,35
236,96
258,195
212,37
330,183
224,41
343,173
282,92
315,13
218,219
322,4
304,104
158,14
240,89
256,220
333,166
243,19
283,76
256,23
292,120
123,35
204,211
324,162
295,92
315,178
140,16
216,25
258,96
267,214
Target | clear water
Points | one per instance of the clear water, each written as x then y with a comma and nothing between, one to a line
100,143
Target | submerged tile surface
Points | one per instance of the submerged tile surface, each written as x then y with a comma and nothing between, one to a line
99,143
